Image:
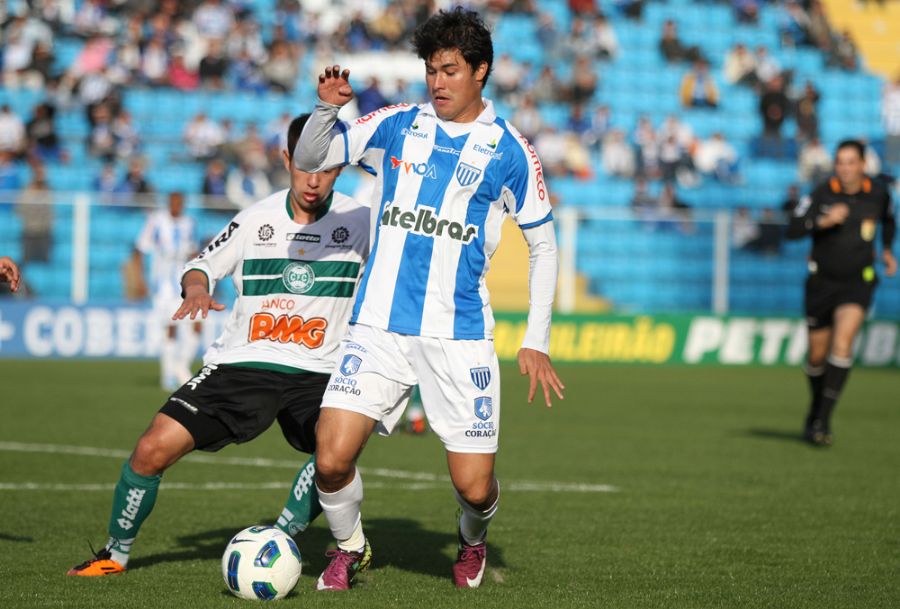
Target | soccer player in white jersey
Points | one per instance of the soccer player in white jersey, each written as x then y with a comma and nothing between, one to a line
168,238
295,258
448,173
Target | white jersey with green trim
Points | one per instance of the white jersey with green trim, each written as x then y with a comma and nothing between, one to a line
295,282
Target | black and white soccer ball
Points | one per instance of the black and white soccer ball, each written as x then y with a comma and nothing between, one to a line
261,563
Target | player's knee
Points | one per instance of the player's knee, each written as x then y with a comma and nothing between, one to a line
151,456
332,470
480,494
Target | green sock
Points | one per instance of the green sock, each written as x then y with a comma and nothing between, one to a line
302,506
133,501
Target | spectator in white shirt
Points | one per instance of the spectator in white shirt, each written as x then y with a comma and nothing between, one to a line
890,111
618,158
717,157
203,137
213,19
12,132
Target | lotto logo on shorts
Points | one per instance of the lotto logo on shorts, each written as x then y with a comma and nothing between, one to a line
350,365
481,377
484,408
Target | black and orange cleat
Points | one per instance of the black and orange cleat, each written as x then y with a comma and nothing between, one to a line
101,564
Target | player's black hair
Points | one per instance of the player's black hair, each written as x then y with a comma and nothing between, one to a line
457,29
855,145
294,132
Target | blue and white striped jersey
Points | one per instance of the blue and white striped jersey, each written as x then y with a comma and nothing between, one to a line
443,189
169,242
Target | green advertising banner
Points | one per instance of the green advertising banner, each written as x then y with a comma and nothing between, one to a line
689,339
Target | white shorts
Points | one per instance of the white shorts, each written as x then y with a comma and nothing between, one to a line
459,381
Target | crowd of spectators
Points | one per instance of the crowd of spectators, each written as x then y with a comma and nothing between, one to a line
221,45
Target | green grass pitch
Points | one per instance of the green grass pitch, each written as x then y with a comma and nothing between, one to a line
716,503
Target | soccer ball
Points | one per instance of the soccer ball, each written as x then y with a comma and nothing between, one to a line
261,563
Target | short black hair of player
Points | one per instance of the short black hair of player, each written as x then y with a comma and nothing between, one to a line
855,145
294,132
457,29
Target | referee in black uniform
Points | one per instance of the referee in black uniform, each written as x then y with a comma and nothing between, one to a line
842,215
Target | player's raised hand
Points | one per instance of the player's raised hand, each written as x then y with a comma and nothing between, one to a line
334,86
9,272
539,370
890,263
197,301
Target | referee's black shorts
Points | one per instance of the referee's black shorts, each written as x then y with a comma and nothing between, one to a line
824,295
229,404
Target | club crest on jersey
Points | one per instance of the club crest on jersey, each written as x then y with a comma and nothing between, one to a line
867,229
350,365
484,408
467,174
298,277
481,377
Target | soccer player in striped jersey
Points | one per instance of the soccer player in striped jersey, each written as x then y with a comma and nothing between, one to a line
448,173
295,258
168,239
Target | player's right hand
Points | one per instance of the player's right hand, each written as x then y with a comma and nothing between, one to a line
197,301
836,214
334,86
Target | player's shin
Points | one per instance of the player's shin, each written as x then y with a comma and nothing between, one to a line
836,372
133,501
342,510
816,376
473,522
302,505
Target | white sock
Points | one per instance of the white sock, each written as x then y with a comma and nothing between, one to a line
341,509
186,354
473,523
119,549
168,360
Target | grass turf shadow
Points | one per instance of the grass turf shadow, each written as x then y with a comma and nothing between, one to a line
396,542
776,434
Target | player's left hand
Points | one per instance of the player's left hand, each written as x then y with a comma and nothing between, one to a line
334,86
9,272
890,263
539,369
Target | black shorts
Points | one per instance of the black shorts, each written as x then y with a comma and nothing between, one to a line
228,404
824,295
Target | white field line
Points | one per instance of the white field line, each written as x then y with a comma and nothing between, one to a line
425,480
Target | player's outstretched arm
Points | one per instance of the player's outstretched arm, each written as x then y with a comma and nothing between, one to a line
539,369
197,298
9,272
317,149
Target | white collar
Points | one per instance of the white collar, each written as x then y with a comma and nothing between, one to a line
487,116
